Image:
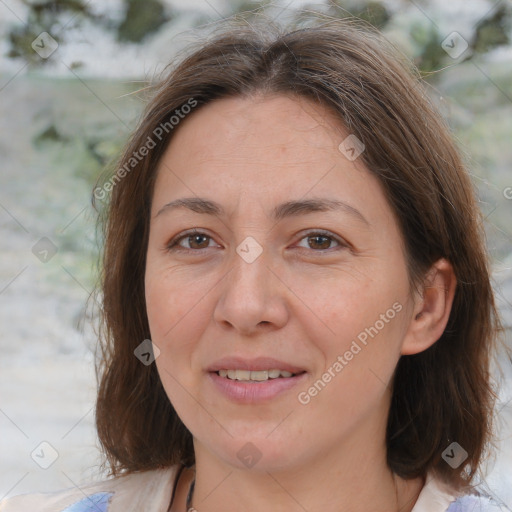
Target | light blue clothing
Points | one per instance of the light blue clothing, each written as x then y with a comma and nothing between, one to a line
476,504
151,491
98,502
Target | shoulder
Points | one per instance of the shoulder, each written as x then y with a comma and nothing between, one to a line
436,496
474,503
147,490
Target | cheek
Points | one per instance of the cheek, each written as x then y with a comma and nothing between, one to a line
173,322
172,331
358,366
171,301
363,324
349,304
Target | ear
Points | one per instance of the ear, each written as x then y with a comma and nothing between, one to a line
431,309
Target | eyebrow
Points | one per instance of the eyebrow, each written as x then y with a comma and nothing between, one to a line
284,210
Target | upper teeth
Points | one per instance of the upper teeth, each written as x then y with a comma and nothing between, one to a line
251,375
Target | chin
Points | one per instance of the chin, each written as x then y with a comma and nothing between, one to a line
259,455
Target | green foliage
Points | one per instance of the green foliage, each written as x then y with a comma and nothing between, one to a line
375,13
142,17
46,11
248,7
21,38
371,11
431,55
49,134
494,31
44,16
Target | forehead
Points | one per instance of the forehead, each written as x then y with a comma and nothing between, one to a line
262,149
286,125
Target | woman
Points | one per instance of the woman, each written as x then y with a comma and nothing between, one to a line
293,228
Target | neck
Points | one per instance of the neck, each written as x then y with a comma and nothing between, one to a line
364,485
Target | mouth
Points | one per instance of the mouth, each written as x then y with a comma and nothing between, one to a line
256,376
255,386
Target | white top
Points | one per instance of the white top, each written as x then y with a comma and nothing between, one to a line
151,491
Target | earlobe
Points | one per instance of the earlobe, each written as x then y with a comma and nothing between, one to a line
432,310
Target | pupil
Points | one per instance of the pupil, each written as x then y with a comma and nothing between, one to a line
196,237
320,237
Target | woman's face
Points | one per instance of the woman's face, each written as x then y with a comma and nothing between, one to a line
322,291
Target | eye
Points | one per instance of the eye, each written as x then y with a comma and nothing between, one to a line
194,238
198,241
321,240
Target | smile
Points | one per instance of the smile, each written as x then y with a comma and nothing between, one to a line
255,376
252,387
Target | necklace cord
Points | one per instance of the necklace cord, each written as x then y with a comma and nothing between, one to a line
189,506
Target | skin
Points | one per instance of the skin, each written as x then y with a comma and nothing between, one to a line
303,300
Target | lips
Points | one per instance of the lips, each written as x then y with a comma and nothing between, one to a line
257,364
250,392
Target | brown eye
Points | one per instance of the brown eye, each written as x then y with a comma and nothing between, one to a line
196,240
320,241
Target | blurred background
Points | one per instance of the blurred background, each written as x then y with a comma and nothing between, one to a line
70,72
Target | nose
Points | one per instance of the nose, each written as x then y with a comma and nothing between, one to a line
252,296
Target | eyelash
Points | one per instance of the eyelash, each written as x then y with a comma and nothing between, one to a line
173,244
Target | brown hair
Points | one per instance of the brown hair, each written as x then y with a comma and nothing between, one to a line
439,396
